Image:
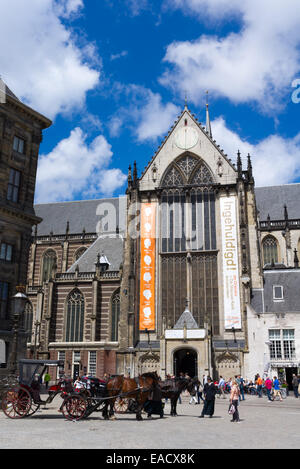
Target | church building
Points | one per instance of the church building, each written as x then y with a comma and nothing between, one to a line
193,270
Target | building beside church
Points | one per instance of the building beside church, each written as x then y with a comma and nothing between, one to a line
20,137
193,270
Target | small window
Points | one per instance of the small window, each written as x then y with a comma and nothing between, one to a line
19,145
6,252
4,295
93,363
277,292
13,185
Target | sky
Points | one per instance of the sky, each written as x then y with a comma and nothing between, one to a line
113,75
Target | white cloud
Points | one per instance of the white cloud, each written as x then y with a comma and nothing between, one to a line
124,53
146,115
40,60
74,167
137,6
275,160
256,64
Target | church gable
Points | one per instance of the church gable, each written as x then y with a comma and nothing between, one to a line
186,145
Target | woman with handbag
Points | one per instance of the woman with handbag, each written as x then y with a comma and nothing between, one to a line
234,402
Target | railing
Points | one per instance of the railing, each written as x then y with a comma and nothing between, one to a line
110,274
279,224
75,275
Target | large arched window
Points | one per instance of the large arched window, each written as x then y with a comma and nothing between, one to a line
270,250
188,241
115,316
75,317
49,263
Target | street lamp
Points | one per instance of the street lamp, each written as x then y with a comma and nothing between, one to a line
19,301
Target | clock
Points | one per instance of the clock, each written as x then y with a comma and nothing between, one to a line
186,138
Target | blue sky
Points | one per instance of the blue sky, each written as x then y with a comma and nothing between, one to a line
113,74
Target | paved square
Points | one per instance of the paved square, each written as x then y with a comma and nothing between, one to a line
263,425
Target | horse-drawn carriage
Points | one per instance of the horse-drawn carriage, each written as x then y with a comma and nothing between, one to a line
24,399
119,394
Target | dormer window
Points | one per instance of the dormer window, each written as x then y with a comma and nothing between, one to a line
277,293
19,144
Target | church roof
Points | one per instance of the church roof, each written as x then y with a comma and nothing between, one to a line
81,215
186,319
109,247
263,300
7,90
271,201
206,131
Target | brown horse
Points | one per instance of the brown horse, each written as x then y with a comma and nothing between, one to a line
113,387
172,388
137,389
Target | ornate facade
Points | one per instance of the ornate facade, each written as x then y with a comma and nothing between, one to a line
20,137
170,277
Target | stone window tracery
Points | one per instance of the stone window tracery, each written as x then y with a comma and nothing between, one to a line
270,250
49,263
75,317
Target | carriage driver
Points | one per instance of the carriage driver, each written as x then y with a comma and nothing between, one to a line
35,386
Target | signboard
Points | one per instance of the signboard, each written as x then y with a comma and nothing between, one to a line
147,282
232,306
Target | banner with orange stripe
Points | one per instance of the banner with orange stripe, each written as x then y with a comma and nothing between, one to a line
147,282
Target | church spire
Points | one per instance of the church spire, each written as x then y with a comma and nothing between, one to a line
208,126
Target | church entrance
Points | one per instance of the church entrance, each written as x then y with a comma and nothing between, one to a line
185,361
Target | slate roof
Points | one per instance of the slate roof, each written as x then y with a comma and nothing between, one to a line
81,214
110,247
187,319
271,201
289,279
7,90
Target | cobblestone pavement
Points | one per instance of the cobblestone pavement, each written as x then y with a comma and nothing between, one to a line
264,425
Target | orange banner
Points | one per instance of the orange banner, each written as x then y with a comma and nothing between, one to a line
147,285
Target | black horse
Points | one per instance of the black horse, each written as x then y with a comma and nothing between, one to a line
173,387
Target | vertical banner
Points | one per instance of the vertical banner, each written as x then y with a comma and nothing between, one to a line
232,306
147,285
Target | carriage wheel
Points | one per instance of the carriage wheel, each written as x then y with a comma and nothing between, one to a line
121,405
74,407
16,403
33,409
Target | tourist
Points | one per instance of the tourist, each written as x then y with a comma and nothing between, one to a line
234,400
295,385
47,379
268,385
276,385
221,387
210,395
199,393
242,387
78,385
259,383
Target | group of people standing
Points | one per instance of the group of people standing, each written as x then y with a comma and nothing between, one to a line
210,390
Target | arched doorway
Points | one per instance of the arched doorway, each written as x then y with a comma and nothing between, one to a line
185,361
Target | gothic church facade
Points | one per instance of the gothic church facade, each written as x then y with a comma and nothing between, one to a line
175,275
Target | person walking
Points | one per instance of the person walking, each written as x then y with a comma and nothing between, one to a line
210,396
268,385
194,398
221,387
234,401
241,386
276,385
47,379
295,385
259,383
199,393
